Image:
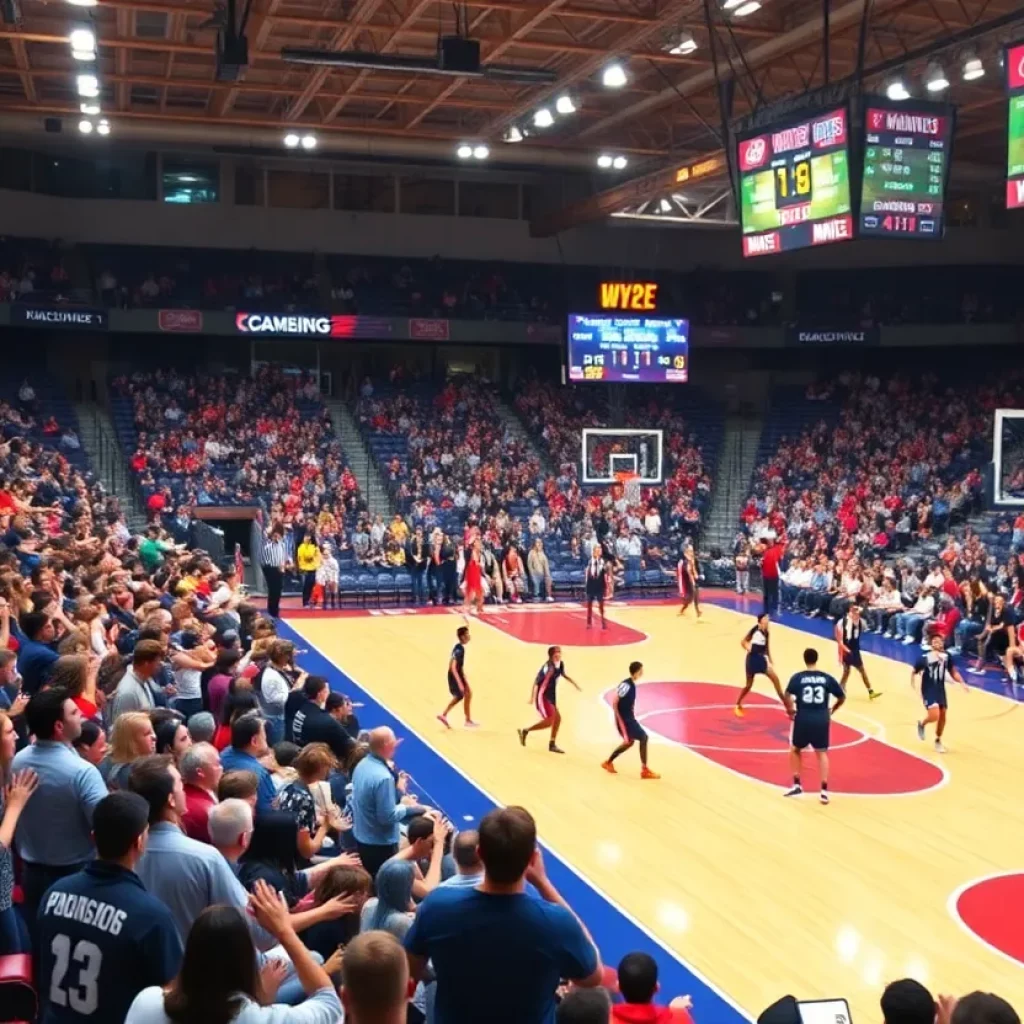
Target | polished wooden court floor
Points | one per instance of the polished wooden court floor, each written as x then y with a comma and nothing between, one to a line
764,895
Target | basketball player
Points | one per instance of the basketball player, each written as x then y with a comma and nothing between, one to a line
596,584
458,685
758,661
932,669
631,731
473,582
848,630
807,698
687,576
545,698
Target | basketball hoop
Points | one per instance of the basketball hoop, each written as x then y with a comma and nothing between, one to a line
630,484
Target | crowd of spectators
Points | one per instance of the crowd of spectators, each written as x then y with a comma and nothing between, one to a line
872,510
229,439
32,271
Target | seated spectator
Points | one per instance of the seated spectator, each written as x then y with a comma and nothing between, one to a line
375,980
908,1002
312,723
201,772
314,764
131,938
15,792
352,887
638,985
248,745
392,909
478,938
220,978
584,1006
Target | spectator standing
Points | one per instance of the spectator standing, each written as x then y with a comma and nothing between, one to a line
220,979
376,810
770,560
314,724
416,559
248,745
307,561
132,736
137,689
479,938
201,772
37,653
274,558
69,790
274,684
375,980
540,570
15,792
91,966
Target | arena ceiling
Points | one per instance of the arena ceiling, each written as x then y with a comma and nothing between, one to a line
156,64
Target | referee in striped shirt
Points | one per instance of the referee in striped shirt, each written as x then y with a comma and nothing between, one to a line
275,554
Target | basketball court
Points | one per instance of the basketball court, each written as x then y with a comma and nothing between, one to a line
915,869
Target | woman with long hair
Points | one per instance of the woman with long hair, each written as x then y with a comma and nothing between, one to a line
220,981
172,737
241,700
76,673
392,909
225,669
131,737
314,764
341,882
15,791
91,744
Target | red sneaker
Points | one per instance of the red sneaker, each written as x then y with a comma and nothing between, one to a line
646,773
609,767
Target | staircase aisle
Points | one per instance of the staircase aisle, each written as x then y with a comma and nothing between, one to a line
108,460
360,459
515,427
732,485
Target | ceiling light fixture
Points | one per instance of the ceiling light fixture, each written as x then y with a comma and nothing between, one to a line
291,140
897,90
481,152
85,127
83,3
973,68
748,8
513,134
543,118
665,206
90,108
464,152
565,105
604,161
614,76
83,39
619,163
685,45
308,142
103,127
88,86
935,79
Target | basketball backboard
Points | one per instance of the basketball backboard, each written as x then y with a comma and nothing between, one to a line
608,452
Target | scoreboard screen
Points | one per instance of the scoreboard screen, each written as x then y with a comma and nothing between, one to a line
648,349
906,167
1015,127
794,184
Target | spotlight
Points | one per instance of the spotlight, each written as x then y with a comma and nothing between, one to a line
748,8
82,3
83,39
84,55
103,127
686,44
614,76
85,127
291,140
90,108
88,86
897,90
513,134
728,5
543,118
935,79
565,105
308,142
973,69
619,163
604,161
481,152
464,152
665,206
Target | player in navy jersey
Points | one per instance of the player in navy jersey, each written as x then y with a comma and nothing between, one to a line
458,685
848,633
545,698
758,661
102,937
596,579
807,701
931,671
631,731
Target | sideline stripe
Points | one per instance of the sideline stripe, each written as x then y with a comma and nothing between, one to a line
614,929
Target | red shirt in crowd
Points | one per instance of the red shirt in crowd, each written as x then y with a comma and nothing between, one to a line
195,820
156,502
648,1013
770,561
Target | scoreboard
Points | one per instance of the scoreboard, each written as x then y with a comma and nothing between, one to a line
906,167
794,184
642,349
1015,127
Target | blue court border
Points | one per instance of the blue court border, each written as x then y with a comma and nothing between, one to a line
614,931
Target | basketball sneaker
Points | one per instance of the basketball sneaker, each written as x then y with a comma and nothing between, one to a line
444,721
646,773
920,730
609,767
738,711
522,736
823,796
939,748
794,790
555,749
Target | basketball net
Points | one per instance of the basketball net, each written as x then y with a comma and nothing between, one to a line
630,484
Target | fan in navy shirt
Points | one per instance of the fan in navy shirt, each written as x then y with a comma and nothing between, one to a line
498,954
102,937
807,701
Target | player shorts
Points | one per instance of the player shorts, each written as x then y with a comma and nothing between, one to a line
934,696
453,686
852,659
757,665
630,729
810,734
545,708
